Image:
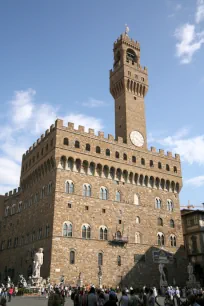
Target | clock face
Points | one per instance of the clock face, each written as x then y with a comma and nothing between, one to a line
137,138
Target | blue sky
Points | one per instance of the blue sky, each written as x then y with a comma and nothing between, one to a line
55,58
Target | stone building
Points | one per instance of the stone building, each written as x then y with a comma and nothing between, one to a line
93,202
193,232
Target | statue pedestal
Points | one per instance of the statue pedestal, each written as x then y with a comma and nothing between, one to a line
193,284
163,283
80,283
36,281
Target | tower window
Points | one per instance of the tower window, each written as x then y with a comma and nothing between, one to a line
117,155
66,141
167,167
151,163
142,79
175,169
142,161
77,144
107,152
133,159
98,150
118,107
129,73
131,56
119,221
135,98
159,165
88,147
125,156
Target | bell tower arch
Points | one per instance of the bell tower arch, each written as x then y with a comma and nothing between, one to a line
128,86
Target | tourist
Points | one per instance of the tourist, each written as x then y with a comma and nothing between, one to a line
92,299
3,301
55,298
101,299
10,293
112,301
134,299
106,295
145,296
151,298
177,296
124,300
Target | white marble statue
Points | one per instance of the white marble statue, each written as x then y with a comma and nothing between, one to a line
163,280
37,263
191,276
126,30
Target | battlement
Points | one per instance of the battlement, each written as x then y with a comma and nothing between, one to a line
39,140
139,68
13,192
81,130
127,40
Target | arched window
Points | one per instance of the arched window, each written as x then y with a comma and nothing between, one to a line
20,206
13,209
98,150
103,193
157,203
70,163
159,165
137,237
86,231
171,223
160,239
67,229
124,156
66,141
117,155
175,169
159,222
117,196
167,167
100,259
131,56
143,161
63,162
107,152
77,144
151,163
6,211
133,159
119,260
103,233
86,190
170,206
69,187
88,147
137,220
173,240
118,235
72,257
47,230
136,199
49,188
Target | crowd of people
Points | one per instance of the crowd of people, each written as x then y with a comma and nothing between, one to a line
91,296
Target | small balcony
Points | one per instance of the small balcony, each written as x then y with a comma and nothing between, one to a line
118,239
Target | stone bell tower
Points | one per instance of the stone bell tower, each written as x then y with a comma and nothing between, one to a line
128,86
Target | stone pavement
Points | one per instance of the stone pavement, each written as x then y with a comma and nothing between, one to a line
42,301
33,301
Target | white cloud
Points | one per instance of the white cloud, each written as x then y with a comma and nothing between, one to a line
196,181
22,106
199,17
26,120
86,121
92,103
191,149
189,41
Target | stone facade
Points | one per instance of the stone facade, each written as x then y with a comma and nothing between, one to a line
193,232
92,201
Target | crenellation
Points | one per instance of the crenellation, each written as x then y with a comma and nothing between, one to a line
120,140
71,125
91,131
15,190
169,154
81,128
47,132
153,149
38,140
42,136
30,149
161,152
58,123
6,194
100,134
177,156
52,127
10,193
110,137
